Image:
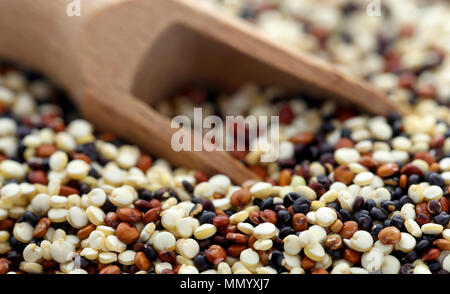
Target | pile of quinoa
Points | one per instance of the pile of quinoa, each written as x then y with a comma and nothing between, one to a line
351,193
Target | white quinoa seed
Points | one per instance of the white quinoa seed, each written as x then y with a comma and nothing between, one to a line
10,169
249,257
432,193
261,190
126,257
204,190
32,253
95,215
306,192
164,241
205,231
77,217
325,216
114,244
77,169
58,161
361,241
264,231
239,218
97,240
446,234
413,228
345,156
407,211
62,251
97,197
245,228
92,254
407,243
121,197
107,257
363,179
189,248
372,260
292,244
432,229
220,183
263,244
23,232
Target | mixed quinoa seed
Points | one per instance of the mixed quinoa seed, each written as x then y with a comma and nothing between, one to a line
350,194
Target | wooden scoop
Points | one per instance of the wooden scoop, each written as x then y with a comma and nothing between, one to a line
117,50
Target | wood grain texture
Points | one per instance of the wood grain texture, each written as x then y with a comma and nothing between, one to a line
118,50
41,35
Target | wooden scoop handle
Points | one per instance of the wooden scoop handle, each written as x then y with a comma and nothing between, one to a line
134,120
